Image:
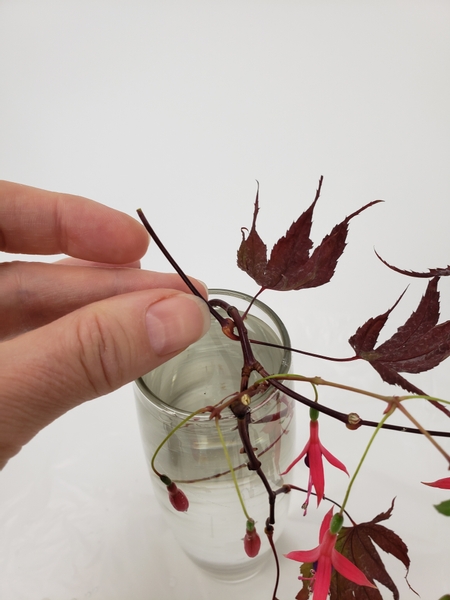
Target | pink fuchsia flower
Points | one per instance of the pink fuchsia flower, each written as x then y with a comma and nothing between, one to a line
440,483
325,557
252,541
314,450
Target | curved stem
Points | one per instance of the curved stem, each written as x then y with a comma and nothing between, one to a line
299,489
247,310
426,433
230,466
269,533
363,457
304,352
170,434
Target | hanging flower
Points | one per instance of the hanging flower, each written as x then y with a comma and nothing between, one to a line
252,541
313,451
325,557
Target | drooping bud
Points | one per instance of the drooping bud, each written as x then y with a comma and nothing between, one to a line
252,541
177,497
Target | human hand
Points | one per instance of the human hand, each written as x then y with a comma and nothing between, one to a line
82,327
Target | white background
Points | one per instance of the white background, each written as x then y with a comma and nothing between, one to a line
178,107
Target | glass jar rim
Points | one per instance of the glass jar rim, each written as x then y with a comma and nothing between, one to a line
155,401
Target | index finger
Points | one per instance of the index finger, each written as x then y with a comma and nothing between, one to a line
35,221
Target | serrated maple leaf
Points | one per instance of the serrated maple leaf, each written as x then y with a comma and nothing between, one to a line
357,543
291,266
418,345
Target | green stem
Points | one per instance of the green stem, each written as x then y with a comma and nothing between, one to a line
230,466
363,457
170,434
319,381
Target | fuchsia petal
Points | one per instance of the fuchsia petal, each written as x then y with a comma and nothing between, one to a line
322,578
325,524
333,460
315,453
296,460
349,570
304,555
440,483
316,470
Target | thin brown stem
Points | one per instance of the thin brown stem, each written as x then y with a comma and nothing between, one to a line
304,352
175,265
269,533
426,433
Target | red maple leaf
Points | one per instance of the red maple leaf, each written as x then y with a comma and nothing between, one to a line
418,345
291,266
357,543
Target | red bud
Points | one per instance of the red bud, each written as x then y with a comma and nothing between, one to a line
252,541
178,499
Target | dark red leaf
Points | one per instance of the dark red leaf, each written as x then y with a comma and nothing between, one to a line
291,266
357,543
417,346
291,250
439,272
252,254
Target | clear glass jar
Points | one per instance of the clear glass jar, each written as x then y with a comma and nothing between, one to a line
211,531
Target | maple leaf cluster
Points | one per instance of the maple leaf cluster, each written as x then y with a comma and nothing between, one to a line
417,346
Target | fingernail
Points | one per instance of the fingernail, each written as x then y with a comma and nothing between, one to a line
176,322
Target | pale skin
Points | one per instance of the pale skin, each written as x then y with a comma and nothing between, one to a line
82,327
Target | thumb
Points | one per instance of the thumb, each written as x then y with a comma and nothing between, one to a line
90,352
